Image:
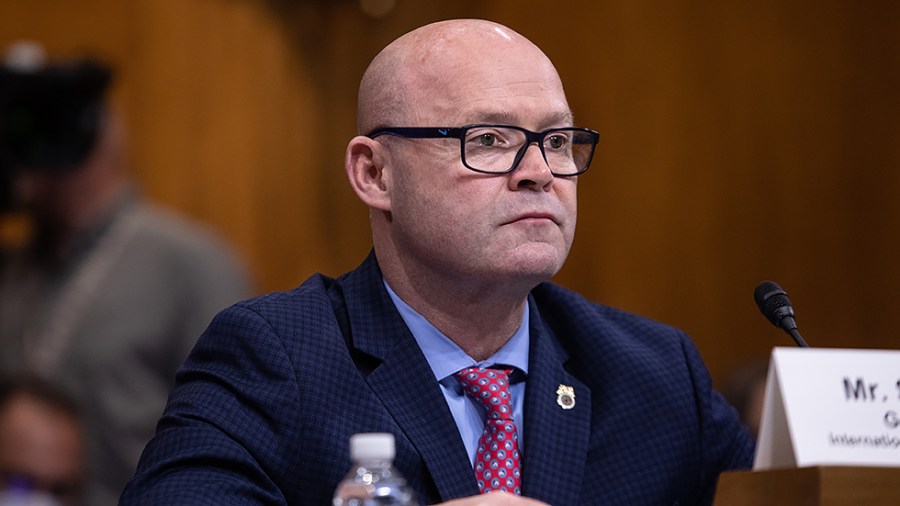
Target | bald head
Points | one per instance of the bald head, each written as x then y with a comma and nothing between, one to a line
418,74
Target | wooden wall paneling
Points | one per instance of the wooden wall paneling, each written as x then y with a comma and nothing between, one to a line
232,135
726,135
335,41
739,141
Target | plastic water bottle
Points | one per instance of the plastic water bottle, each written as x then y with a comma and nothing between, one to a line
373,481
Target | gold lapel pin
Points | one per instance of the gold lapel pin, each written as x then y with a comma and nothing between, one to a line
565,397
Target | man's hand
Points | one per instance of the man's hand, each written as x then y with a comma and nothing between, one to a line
495,499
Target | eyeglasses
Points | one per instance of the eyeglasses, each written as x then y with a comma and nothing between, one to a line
498,149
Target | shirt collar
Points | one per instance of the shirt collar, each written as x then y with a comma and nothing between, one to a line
446,358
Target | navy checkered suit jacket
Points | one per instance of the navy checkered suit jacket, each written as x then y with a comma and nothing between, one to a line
265,404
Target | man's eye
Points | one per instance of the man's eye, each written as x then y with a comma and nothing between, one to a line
556,142
487,140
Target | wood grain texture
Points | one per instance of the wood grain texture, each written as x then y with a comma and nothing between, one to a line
740,141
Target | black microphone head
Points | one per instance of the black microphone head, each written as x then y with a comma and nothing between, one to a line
774,304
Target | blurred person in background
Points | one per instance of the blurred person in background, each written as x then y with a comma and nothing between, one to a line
41,445
106,295
745,389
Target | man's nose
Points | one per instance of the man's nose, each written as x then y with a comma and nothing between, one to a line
532,172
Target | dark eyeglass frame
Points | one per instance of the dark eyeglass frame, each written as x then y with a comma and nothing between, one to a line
460,134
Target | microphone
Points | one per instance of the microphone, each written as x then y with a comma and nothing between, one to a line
776,306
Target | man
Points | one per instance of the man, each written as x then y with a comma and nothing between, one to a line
110,293
468,224
41,447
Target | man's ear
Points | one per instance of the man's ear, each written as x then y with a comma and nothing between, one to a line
364,163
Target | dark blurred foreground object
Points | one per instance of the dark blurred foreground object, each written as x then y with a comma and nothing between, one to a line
50,113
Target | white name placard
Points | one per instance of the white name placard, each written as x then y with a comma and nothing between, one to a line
830,407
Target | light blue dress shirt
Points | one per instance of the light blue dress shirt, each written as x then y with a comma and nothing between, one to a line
446,358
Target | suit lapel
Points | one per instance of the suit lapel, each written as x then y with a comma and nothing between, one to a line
556,439
404,383
414,399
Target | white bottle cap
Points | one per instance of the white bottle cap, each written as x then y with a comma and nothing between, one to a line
372,446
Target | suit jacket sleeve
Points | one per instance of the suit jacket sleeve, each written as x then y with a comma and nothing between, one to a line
271,388
263,407
726,445
218,442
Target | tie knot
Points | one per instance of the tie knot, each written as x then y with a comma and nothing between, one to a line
490,387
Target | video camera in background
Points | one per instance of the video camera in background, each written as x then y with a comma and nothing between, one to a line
49,113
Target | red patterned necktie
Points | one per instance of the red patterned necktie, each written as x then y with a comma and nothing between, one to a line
497,464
